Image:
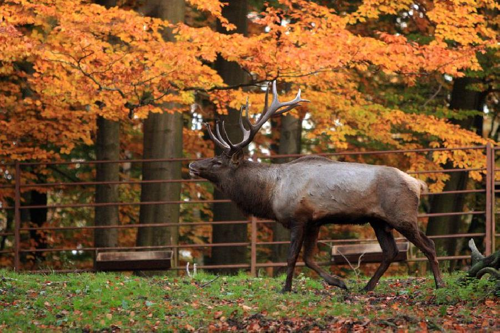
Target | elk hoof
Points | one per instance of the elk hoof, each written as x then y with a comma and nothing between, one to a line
336,282
342,285
367,288
285,290
440,284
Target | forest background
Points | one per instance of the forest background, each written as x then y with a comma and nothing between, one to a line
132,79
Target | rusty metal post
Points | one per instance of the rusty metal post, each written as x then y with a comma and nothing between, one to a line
17,218
489,173
493,201
253,246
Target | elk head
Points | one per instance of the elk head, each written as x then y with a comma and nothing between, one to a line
217,168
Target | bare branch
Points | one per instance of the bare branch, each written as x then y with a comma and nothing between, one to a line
433,96
209,282
354,269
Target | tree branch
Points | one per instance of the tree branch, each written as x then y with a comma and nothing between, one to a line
433,96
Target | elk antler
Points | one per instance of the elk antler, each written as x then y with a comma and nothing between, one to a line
222,139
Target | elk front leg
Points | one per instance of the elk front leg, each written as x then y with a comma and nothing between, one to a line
389,250
297,237
310,241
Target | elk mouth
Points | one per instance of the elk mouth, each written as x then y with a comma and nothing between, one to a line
193,172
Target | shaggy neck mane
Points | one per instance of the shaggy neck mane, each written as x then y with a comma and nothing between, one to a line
252,188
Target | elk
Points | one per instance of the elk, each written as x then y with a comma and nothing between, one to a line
312,191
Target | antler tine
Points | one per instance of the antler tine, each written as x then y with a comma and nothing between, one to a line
266,99
291,104
224,136
268,112
246,132
220,143
218,133
244,108
263,115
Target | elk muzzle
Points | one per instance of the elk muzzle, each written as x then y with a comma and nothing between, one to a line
194,169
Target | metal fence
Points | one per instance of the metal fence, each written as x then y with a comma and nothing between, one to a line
14,247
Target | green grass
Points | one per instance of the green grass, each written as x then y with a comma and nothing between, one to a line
95,302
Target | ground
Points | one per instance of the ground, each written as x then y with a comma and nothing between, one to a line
121,303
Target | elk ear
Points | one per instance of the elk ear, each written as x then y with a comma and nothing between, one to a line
237,157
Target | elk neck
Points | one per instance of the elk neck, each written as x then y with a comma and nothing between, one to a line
251,186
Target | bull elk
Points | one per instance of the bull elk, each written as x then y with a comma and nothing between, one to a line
312,191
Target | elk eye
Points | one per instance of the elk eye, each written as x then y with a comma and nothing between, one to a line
217,163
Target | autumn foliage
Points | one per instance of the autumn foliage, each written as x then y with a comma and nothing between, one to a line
65,62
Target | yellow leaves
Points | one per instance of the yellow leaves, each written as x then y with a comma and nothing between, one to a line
461,22
440,157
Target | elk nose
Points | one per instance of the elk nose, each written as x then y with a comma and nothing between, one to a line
192,166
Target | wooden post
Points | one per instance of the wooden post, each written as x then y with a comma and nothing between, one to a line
17,218
253,247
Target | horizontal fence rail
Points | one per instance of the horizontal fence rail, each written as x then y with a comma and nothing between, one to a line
16,236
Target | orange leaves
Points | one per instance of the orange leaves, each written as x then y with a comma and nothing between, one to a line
86,60
215,8
372,9
461,22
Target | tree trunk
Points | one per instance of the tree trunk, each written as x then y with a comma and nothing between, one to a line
38,217
35,216
232,74
462,98
289,143
162,139
167,129
107,149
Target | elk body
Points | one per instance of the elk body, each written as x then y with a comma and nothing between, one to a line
313,191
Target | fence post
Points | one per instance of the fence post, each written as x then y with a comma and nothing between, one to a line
17,217
493,201
489,175
253,246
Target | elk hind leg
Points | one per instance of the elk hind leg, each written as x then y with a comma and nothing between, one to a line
424,244
389,250
297,238
310,241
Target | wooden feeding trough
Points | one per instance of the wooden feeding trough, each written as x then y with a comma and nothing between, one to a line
371,253
133,261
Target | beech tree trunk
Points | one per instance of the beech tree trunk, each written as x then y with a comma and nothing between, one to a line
107,149
462,98
236,12
162,139
35,216
289,143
